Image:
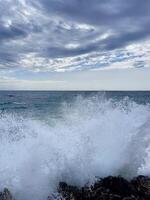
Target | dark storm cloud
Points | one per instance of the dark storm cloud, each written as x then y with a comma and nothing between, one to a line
98,12
118,41
128,20
67,28
11,32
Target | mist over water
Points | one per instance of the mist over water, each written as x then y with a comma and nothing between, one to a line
89,136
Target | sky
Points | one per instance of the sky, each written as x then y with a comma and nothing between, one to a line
74,45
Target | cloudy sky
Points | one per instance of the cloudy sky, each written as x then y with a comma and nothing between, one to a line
75,44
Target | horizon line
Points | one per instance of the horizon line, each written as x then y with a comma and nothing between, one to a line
3,90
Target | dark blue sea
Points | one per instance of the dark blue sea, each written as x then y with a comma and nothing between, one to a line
48,137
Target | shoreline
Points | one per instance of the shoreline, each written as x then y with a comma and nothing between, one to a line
108,188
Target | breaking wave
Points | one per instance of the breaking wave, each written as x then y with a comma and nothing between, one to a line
94,137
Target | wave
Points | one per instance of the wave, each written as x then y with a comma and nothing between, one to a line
94,137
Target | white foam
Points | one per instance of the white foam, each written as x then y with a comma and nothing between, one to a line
96,137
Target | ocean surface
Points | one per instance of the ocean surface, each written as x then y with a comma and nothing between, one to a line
48,137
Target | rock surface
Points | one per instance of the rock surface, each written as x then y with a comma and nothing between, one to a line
6,195
109,188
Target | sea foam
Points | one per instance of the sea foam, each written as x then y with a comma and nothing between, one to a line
94,137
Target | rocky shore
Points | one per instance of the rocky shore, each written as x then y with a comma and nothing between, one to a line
109,188
6,195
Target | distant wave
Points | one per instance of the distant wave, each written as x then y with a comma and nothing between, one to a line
95,137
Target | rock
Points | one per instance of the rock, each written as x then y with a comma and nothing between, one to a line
142,186
6,195
70,192
118,185
109,188
130,198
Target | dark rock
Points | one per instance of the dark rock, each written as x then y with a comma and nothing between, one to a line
130,198
118,185
109,188
142,186
6,195
70,192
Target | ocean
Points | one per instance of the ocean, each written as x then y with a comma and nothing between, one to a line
48,137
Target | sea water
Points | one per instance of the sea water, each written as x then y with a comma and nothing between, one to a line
48,137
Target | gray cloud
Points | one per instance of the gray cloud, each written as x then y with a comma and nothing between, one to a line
56,29
11,32
97,12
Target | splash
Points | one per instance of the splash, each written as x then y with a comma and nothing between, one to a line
94,137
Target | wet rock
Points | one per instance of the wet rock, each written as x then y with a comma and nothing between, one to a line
109,188
142,186
118,185
6,195
70,192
